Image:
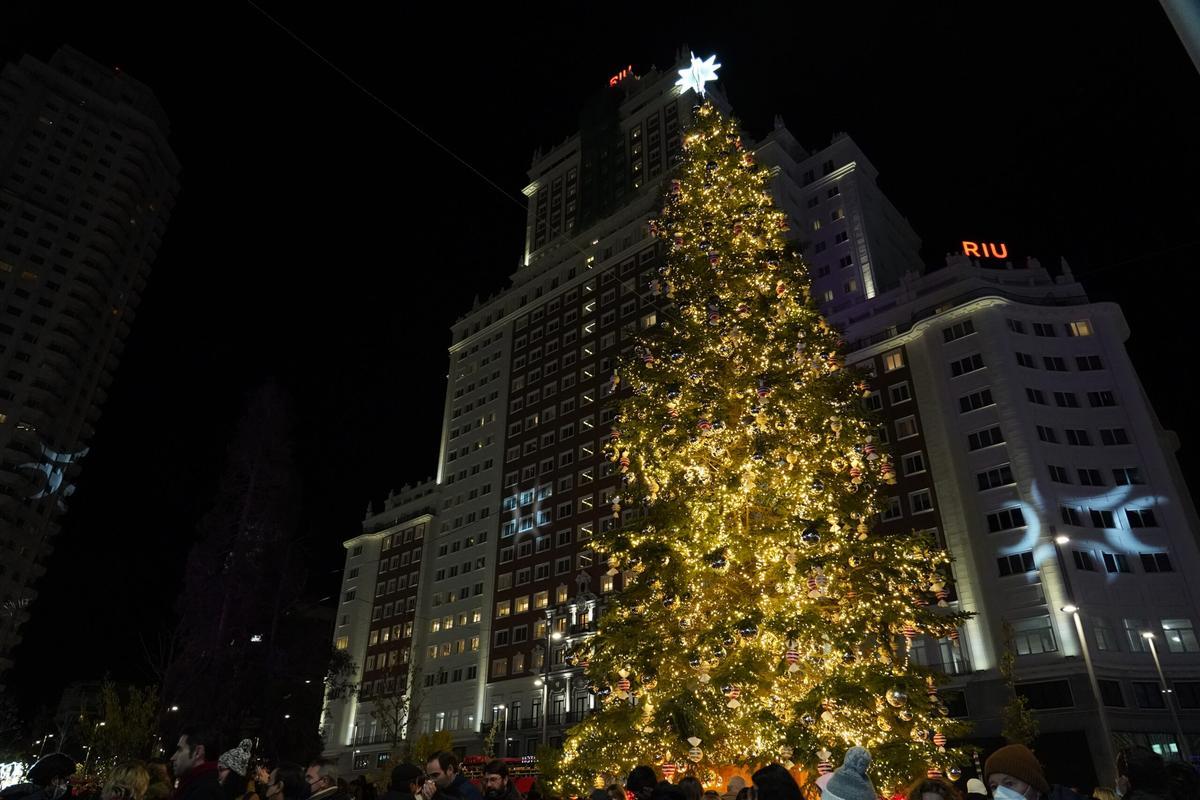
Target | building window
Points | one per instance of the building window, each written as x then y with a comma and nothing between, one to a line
1181,637
1148,695
1156,562
1005,519
1116,563
893,360
873,401
899,393
975,401
997,476
1141,518
1026,360
1033,635
1102,518
985,438
1078,437
1054,363
1035,396
1113,436
920,501
891,509
958,330
1070,515
1101,399
1127,476
906,427
914,463
966,364
1015,564
1058,474
1043,329
1066,400
1015,325
1090,477
1088,363
1079,328
1083,560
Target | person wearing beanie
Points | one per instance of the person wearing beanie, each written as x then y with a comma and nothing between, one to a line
233,767
1013,773
976,790
932,789
849,781
1141,774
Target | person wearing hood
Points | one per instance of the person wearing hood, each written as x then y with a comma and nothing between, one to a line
496,783
773,782
850,781
1014,773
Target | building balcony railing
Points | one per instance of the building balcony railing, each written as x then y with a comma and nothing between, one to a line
370,738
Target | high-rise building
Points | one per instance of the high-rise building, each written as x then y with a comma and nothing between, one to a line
1022,438
387,566
87,181
1057,491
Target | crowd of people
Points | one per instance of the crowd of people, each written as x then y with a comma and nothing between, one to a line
1011,773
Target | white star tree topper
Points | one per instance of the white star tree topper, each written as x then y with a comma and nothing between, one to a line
699,73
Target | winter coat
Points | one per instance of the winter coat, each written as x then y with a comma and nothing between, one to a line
200,783
462,787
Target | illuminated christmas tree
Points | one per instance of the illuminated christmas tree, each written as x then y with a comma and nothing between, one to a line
761,618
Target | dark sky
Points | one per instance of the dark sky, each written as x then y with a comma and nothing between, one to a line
319,241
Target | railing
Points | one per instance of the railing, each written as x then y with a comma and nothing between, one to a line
376,738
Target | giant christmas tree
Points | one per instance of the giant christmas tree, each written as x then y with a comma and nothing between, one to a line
761,618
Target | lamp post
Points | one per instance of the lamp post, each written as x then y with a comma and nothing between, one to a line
43,743
496,710
1110,759
1184,750
544,681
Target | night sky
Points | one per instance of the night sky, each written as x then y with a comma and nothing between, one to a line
319,241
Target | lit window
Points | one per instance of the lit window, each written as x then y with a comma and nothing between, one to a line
893,360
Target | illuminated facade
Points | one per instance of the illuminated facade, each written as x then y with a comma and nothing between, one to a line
997,456
386,568
1056,488
86,184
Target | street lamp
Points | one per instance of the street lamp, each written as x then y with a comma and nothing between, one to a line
496,709
173,709
43,743
551,636
1110,758
1183,748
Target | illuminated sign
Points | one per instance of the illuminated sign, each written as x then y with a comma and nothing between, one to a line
985,249
699,72
620,76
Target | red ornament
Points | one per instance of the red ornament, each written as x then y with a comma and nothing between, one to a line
933,772
704,425
623,685
943,597
668,769
939,739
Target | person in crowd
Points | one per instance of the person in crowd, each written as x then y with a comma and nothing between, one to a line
692,788
641,782
233,771
48,779
616,792
195,766
128,780
1141,774
1014,773
665,790
743,793
287,782
405,783
849,781
442,774
736,784
323,781
932,789
261,776
1182,781
710,794
496,783
161,784
600,794
774,782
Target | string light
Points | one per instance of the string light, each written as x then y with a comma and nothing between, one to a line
761,618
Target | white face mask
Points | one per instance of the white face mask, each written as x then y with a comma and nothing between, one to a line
1007,793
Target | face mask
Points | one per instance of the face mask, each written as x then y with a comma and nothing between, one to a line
1007,793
